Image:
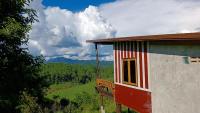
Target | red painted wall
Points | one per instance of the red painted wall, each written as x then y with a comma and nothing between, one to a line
138,100
137,50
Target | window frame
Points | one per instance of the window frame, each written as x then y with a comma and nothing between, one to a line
194,60
129,72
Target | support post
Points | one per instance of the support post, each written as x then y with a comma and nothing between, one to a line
101,103
118,108
101,100
98,76
129,110
97,61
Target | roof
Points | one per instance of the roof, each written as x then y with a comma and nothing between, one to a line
161,37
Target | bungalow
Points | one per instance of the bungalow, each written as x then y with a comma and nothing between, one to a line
154,73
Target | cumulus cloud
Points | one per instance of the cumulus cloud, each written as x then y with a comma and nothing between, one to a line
62,32
143,17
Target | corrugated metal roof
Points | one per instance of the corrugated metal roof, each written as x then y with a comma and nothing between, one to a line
161,37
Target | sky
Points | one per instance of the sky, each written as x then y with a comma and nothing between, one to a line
74,5
65,25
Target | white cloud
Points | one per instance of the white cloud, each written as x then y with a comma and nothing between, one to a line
61,31
141,17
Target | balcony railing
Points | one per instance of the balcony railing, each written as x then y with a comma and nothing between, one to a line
105,87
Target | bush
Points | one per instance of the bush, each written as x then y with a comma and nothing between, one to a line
28,104
64,102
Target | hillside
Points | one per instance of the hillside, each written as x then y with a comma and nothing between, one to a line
70,61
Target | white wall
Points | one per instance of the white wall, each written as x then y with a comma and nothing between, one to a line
175,83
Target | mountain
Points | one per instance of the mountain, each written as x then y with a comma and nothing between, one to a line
70,61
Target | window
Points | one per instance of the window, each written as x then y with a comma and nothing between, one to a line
194,59
129,72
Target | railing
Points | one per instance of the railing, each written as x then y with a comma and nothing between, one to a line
105,87
105,83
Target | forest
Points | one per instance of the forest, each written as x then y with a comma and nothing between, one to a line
28,84
77,73
72,87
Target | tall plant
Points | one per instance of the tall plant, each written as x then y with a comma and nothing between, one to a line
18,68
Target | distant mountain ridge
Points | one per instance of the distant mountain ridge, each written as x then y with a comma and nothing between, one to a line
70,61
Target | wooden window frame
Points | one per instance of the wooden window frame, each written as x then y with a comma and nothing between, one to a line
129,74
194,60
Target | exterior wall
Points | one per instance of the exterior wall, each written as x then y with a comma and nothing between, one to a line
175,83
137,50
136,97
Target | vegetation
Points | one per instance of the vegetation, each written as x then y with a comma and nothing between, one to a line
24,79
83,95
62,72
78,94
79,97
19,70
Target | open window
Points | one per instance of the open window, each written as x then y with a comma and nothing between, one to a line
129,72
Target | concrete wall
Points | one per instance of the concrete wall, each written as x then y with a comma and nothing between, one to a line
175,83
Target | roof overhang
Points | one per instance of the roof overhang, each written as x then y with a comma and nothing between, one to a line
194,37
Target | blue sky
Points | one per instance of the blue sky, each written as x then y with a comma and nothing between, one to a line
65,25
74,5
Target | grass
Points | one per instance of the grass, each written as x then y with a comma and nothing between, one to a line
69,90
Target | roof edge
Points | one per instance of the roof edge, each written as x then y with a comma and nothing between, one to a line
195,36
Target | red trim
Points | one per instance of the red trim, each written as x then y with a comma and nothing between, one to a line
131,47
135,51
131,50
128,49
121,53
125,50
116,62
136,57
138,100
119,47
146,65
122,50
140,60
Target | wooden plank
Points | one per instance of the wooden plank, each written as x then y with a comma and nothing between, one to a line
118,108
105,83
104,93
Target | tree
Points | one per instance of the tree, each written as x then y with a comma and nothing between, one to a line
19,70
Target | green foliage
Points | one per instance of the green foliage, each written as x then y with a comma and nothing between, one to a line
83,96
18,69
87,102
69,90
80,98
28,104
62,72
14,30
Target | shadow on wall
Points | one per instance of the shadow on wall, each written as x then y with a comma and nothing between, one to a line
186,51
